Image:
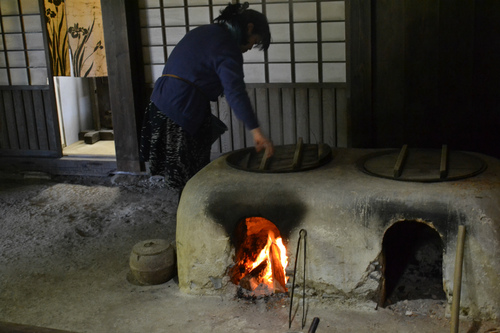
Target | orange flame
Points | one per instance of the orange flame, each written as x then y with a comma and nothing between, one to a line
260,257
284,258
265,255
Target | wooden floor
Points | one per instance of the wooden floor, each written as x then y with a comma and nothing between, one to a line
100,148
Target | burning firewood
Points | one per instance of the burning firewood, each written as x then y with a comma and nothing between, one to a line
254,278
277,268
260,257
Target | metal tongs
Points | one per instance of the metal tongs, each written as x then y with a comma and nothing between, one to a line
302,235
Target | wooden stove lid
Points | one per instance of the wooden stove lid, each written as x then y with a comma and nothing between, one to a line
286,158
422,165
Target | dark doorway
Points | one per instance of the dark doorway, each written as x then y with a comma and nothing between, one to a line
413,260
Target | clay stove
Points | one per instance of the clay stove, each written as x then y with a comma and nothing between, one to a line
346,212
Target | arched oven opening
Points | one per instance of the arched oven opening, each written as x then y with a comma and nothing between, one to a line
412,263
260,258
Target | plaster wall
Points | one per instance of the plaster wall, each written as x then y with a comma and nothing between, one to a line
74,107
345,213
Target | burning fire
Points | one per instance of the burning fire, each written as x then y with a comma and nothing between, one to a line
261,257
266,255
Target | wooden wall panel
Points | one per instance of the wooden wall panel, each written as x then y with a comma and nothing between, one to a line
418,71
289,118
10,118
262,109
286,113
29,112
359,26
248,136
329,114
343,119
51,121
39,113
29,122
390,94
20,117
214,107
225,115
302,113
275,116
4,136
315,116
239,134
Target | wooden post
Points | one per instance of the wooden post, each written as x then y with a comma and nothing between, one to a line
121,84
457,281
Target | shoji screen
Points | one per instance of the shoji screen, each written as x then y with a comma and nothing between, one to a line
308,37
297,87
22,54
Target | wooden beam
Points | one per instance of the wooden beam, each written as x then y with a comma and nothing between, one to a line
121,82
359,73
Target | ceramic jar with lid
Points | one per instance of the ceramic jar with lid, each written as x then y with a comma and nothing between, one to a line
153,261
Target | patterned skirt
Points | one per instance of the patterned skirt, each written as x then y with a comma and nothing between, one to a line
171,151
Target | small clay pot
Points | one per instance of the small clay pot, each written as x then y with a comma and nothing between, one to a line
152,261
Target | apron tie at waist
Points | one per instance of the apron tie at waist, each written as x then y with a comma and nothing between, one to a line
188,82
218,127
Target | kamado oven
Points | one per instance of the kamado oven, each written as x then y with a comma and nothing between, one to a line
369,215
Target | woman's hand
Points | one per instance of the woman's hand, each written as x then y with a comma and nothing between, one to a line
261,142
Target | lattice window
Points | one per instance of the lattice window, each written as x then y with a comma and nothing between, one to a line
308,37
22,53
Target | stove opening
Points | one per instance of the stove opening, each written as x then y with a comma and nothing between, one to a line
260,257
412,263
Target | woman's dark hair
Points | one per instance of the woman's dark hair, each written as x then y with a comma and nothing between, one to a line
239,16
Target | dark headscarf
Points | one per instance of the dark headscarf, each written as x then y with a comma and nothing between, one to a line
237,17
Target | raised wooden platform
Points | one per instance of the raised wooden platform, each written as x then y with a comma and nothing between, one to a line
19,328
74,166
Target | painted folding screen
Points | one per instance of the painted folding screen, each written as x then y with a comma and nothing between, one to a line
75,38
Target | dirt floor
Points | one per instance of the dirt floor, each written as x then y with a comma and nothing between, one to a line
64,249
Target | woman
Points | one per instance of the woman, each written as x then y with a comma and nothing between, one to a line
206,63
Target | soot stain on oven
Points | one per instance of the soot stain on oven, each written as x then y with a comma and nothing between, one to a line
282,208
441,215
285,210
258,224
413,247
